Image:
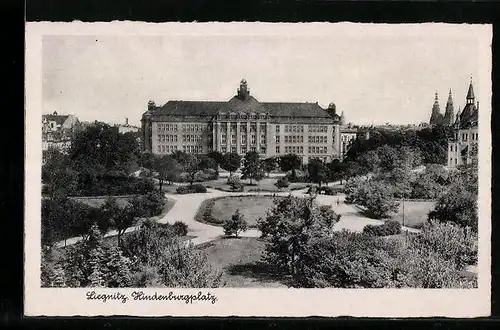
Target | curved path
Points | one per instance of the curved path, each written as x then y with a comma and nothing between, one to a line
187,205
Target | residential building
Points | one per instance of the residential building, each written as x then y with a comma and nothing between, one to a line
462,148
243,124
57,131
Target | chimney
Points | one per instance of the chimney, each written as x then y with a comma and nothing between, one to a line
126,121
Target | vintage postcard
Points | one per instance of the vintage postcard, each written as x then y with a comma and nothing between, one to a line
258,169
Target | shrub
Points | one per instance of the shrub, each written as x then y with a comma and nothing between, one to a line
388,228
211,174
192,189
235,224
198,188
235,183
180,228
282,183
182,190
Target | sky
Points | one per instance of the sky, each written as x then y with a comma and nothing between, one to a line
386,77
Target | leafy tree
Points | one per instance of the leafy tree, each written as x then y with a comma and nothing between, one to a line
318,172
290,162
190,164
376,196
146,160
235,224
337,170
230,162
458,205
252,168
216,156
269,164
167,168
289,225
164,260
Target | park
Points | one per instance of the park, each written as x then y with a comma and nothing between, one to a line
250,222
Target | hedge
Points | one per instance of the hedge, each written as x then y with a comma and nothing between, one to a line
192,189
390,227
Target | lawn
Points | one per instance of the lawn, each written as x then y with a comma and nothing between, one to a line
239,259
99,201
252,207
415,213
266,184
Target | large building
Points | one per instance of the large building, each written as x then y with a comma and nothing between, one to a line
243,124
462,148
57,131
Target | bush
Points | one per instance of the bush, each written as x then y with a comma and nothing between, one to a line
180,228
235,183
149,205
193,189
282,183
235,224
388,228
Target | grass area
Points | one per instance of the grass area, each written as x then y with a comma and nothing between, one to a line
266,184
415,213
240,261
221,208
99,201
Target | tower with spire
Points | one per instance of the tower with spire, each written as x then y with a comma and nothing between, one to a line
436,116
462,149
449,115
342,118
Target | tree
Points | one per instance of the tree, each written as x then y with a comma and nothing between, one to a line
290,162
318,172
126,217
375,195
336,170
230,162
168,169
190,164
235,224
89,263
164,260
269,164
252,168
289,225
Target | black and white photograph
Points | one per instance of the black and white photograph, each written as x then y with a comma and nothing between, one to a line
220,160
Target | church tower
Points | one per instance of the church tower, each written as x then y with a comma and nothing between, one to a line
449,112
436,116
470,94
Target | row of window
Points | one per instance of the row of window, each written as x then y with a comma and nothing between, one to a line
292,139
168,127
293,129
317,139
294,149
243,149
191,138
243,116
318,128
234,137
166,149
243,128
192,127
317,150
192,149
167,138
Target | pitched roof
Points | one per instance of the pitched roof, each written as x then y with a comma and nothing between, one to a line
468,116
236,104
59,119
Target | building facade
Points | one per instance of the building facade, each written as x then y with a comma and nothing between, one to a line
243,124
57,131
462,148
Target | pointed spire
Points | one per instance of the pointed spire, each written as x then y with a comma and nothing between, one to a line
470,93
342,118
436,97
448,115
